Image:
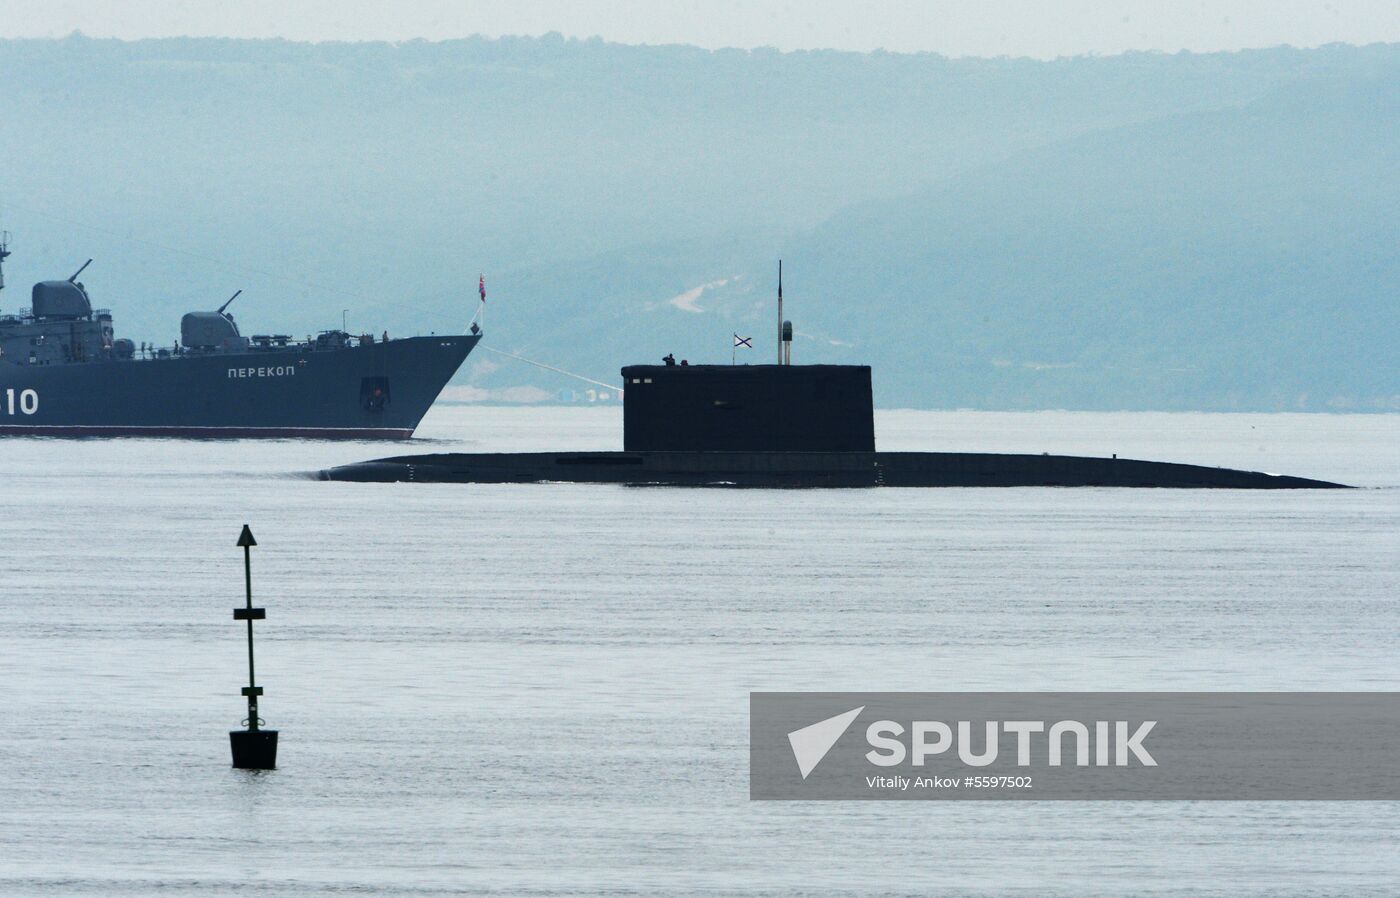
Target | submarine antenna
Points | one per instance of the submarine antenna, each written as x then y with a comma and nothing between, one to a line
74,278
229,300
780,311
4,253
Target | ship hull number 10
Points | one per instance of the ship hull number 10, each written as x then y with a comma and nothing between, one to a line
24,402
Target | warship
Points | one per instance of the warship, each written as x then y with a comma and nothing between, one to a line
64,373
783,425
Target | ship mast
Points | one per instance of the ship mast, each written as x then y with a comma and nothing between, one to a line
780,311
4,253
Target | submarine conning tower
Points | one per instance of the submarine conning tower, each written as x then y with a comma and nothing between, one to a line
748,408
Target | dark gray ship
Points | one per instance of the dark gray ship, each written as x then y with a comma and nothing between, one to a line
64,372
782,425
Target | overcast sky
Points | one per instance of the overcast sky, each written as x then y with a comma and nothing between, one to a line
1039,28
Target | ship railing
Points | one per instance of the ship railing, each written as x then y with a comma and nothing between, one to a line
261,343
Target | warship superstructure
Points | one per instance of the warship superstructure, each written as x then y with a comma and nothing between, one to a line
64,372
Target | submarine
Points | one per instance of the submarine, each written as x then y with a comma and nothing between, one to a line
782,426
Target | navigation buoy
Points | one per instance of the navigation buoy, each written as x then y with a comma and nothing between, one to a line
254,748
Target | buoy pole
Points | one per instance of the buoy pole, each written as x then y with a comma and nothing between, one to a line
252,692
253,748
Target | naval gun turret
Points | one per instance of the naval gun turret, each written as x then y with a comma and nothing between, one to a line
60,327
212,331
61,300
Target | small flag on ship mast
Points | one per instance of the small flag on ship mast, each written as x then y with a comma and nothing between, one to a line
479,319
745,342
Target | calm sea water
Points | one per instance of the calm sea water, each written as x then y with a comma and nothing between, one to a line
542,689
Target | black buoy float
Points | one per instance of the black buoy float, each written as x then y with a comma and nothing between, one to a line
254,748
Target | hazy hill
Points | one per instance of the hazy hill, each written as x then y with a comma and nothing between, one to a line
1138,231
1236,259
1223,260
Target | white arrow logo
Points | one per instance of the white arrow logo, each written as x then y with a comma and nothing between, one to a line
811,743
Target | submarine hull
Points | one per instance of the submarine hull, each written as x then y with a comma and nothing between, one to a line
809,469
782,426
321,394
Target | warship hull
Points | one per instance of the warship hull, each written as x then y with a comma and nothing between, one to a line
379,390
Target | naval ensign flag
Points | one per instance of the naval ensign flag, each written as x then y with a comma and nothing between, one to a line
479,319
746,342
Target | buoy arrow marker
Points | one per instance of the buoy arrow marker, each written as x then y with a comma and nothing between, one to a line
811,743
